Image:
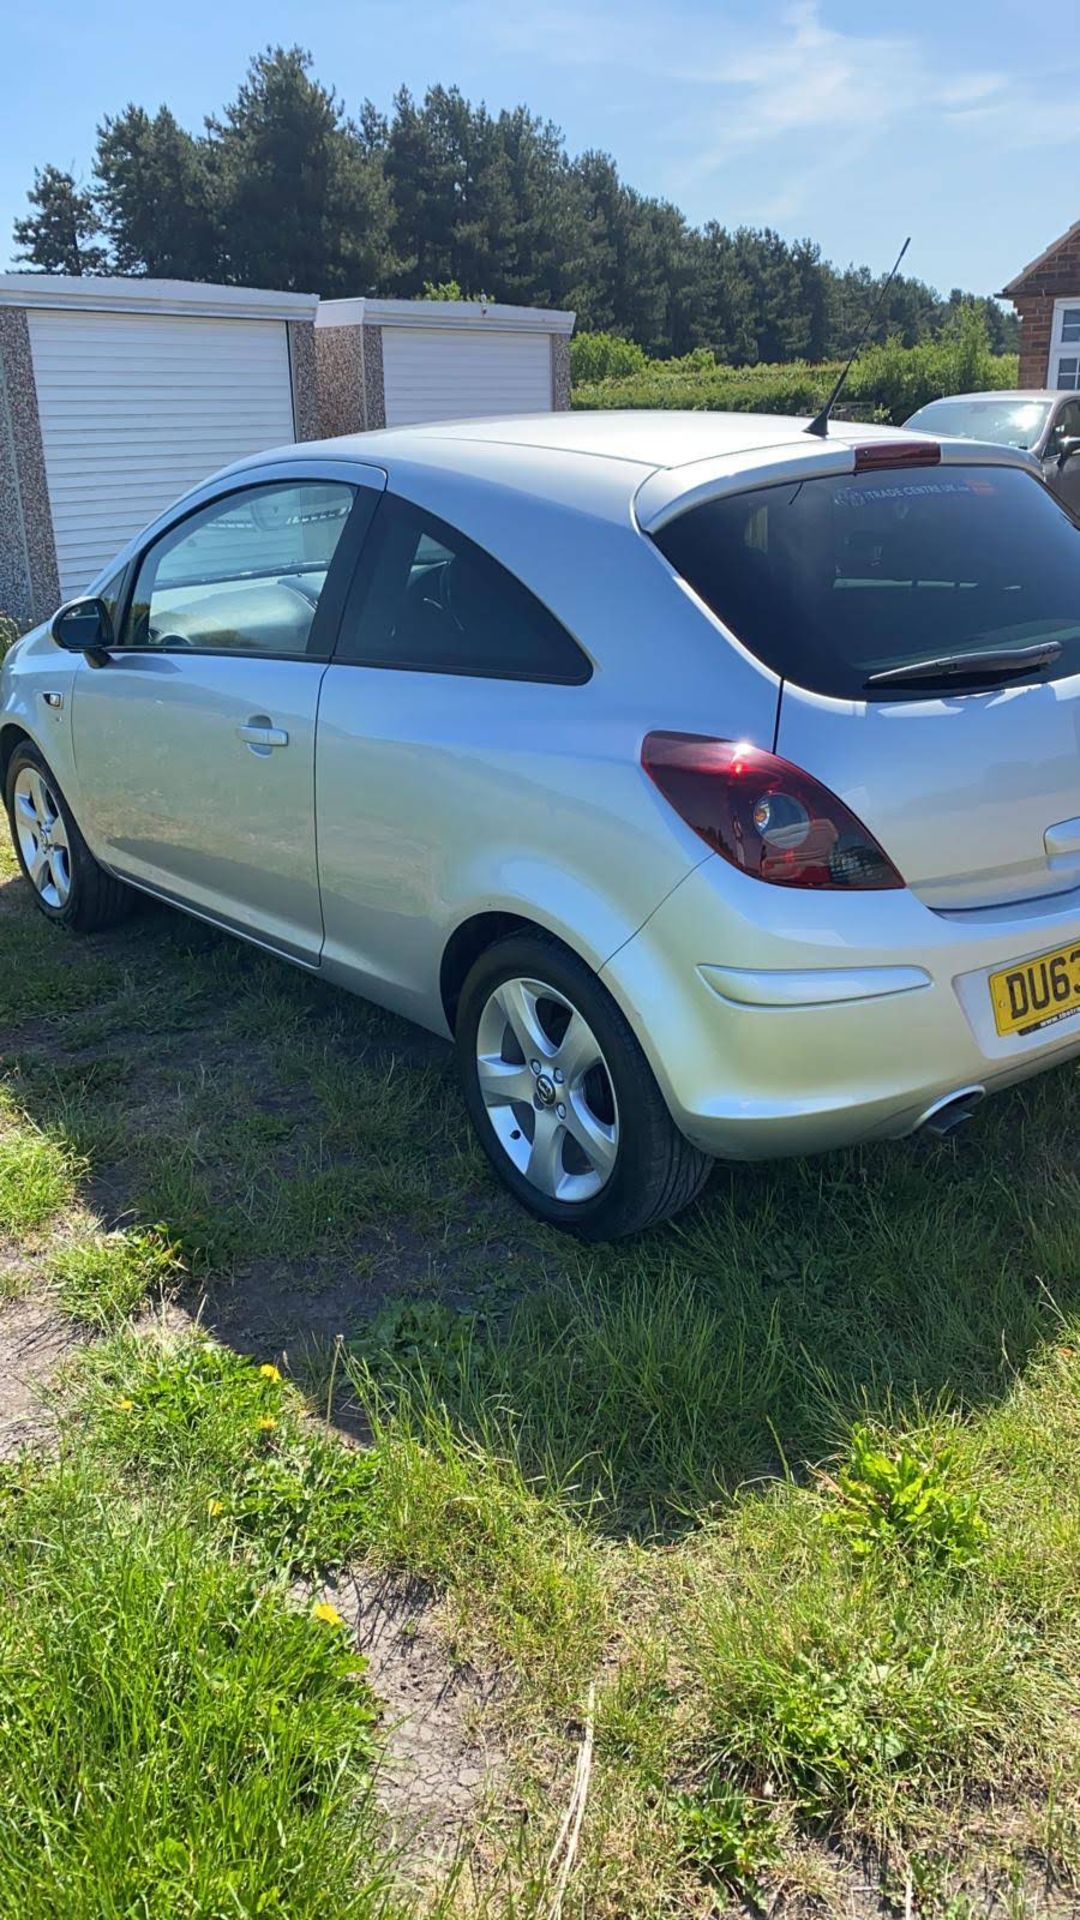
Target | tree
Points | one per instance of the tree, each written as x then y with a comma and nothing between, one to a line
284,189
156,197
488,202
60,236
725,306
643,259
449,191
300,203
543,249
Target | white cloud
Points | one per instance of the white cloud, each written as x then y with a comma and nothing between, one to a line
971,88
798,72
808,98
805,75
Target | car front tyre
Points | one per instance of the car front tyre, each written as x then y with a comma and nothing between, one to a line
562,1097
68,885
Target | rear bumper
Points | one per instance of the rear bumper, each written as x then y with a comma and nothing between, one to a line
782,1023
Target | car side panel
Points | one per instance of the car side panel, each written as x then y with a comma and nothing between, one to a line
440,797
35,668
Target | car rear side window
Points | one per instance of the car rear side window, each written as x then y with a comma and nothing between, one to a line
830,580
429,600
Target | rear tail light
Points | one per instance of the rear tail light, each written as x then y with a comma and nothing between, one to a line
767,817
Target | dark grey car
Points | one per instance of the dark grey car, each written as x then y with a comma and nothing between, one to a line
1046,424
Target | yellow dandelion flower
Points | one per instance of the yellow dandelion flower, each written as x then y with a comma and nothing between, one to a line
269,1372
267,1423
214,1507
322,1610
125,1406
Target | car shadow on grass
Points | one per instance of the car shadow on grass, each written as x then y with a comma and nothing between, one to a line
308,1155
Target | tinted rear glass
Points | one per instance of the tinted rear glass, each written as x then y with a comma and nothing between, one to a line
830,580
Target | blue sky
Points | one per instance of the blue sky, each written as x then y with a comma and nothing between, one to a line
955,120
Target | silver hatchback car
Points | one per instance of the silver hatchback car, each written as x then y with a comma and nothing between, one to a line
715,785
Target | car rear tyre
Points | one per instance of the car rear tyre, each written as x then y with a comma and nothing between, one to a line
68,885
563,1100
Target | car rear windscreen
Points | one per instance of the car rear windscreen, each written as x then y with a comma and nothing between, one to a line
833,579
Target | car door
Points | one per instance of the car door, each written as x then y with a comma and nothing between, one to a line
451,690
1063,476
194,741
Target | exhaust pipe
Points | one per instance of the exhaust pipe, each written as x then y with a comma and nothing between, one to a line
950,1112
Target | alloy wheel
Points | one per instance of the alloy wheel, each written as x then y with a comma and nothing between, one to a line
42,837
547,1089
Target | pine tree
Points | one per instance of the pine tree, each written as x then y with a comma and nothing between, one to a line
155,191
284,189
300,205
60,237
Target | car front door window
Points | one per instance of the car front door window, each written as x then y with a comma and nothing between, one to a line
243,575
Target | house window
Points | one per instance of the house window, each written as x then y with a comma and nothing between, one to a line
1064,365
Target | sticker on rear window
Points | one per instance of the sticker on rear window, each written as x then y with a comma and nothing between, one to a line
857,496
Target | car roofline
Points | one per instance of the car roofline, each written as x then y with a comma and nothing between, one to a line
666,495
429,443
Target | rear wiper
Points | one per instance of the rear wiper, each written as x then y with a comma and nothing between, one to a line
994,663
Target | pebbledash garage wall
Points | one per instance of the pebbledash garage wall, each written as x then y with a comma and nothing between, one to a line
393,363
117,395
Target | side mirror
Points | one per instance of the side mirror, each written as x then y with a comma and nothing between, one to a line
85,626
1068,449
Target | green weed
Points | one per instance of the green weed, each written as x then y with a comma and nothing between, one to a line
728,1836
897,1497
37,1173
240,1439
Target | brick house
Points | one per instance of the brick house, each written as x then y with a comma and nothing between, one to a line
1046,295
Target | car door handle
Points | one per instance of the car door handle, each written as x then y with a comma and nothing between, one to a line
1062,840
260,734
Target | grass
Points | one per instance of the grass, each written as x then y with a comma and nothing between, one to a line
37,1174
102,1279
238,1439
176,1738
793,1483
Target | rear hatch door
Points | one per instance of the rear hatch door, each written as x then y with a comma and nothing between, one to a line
974,797
969,781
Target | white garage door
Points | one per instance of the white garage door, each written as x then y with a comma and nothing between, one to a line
135,408
434,373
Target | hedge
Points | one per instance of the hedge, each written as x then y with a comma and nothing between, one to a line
886,383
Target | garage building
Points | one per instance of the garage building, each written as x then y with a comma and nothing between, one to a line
394,363
115,396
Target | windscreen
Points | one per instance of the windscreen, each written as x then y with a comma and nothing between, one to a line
833,579
1011,423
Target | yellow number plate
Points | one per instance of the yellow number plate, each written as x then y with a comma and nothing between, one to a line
1037,992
